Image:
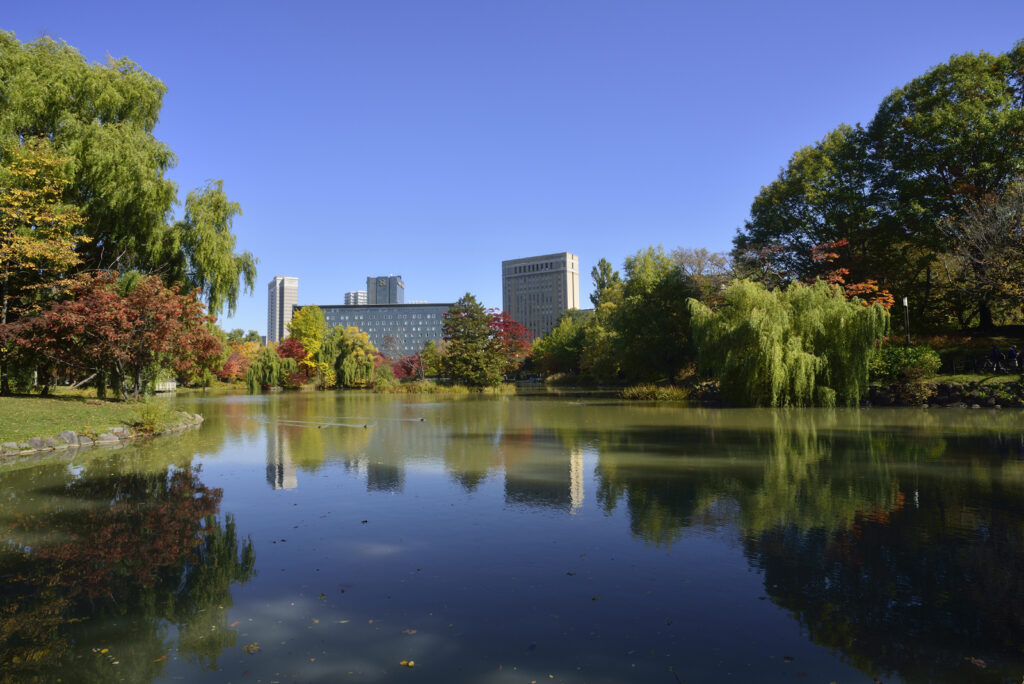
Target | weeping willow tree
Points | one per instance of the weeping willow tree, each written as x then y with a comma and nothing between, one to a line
268,370
356,369
353,356
799,346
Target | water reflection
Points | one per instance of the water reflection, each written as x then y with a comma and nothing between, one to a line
893,539
106,566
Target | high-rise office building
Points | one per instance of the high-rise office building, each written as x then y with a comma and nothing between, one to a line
282,296
536,290
385,290
357,298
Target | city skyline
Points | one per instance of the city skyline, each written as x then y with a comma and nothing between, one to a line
460,132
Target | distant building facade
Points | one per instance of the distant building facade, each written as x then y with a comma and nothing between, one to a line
394,329
536,290
357,298
385,290
282,296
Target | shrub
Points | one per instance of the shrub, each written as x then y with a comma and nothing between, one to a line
904,364
154,416
384,378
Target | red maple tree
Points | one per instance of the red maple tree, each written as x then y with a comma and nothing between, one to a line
128,329
512,337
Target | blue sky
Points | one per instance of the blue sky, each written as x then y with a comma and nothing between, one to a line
433,139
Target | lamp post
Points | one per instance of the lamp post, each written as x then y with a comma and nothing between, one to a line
906,319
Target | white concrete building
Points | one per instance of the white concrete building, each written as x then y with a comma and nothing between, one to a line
282,295
357,298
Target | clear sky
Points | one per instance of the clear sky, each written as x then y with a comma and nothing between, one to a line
434,138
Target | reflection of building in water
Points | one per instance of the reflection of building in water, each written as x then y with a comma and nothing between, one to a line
576,479
384,477
280,467
543,479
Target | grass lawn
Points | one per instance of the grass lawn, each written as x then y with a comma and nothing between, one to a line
23,417
980,378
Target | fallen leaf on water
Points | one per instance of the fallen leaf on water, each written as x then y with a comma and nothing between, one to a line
162,658
254,647
323,595
407,663
316,621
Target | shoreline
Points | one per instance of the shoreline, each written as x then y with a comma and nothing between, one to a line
72,443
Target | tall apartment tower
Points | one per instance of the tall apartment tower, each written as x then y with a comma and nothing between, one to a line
357,298
282,295
536,290
385,290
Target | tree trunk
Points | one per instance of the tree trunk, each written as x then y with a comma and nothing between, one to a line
985,317
5,384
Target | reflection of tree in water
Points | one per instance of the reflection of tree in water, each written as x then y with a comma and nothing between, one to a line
477,442
793,469
110,560
814,477
905,563
919,592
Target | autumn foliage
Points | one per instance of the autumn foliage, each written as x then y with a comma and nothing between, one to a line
869,292
129,327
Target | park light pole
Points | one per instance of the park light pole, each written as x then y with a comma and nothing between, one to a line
906,319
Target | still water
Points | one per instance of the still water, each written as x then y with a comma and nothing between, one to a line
330,537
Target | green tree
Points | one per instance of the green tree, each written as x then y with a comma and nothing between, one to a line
819,197
562,349
266,370
804,345
472,355
652,322
102,117
605,277
205,258
940,143
430,359
936,146
354,356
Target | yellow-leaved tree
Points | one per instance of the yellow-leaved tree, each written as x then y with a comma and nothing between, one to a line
38,237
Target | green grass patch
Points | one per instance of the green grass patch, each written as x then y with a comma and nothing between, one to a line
24,417
648,392
431,387
981,379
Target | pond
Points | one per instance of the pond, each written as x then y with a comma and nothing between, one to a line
327,537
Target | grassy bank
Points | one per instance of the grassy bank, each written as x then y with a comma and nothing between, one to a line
429,387
24,417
